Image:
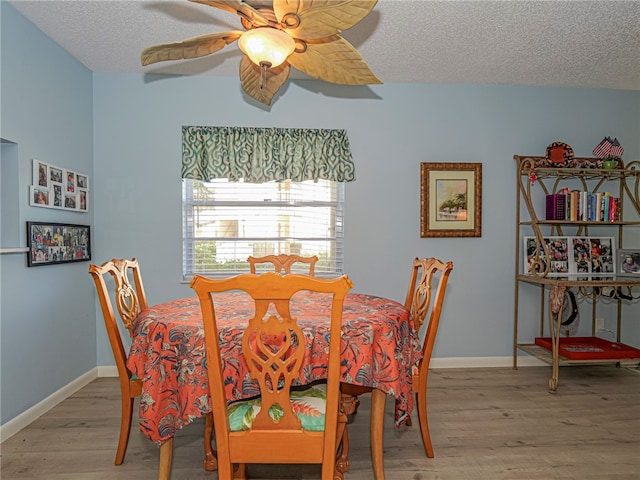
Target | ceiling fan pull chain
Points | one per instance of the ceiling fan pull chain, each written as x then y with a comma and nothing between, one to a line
263,75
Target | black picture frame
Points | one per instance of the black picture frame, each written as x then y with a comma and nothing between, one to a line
52,243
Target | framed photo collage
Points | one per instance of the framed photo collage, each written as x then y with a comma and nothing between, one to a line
575,256
57,187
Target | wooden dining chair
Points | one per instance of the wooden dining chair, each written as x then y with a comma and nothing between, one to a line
424,300
296,425
130,300
283,262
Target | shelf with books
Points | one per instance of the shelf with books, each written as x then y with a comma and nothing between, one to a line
586,206
571,222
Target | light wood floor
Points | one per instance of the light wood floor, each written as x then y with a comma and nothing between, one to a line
486,424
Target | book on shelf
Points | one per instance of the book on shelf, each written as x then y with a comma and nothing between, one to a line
556,206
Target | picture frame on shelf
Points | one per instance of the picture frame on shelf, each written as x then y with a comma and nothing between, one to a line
602,255
54,243
577,257
450,199
629,262
558,247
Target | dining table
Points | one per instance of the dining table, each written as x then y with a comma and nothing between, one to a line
379,346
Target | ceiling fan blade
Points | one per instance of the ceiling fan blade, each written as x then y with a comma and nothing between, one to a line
336,61
250,78
238,7
322,18
190,48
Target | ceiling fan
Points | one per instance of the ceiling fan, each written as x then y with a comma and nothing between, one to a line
279,34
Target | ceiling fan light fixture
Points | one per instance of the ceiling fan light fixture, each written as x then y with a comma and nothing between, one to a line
266,46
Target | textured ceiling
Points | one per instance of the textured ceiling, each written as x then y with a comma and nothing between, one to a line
517,42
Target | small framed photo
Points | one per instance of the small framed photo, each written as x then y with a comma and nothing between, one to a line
38,196
450,199
602,255
55,174
82,181
40,174
70,201
629,262
51,243
83,200
56,189
70,181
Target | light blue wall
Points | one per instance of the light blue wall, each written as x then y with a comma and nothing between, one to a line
137,166
47,314
392,128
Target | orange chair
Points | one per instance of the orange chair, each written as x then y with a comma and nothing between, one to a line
283,262
283,424
129,302
425,297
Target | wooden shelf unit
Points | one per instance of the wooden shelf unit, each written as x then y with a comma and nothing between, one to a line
622,182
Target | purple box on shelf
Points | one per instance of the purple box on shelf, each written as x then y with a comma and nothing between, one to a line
556,206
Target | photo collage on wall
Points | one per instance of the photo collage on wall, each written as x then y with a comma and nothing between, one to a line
57,187
573,255
51,243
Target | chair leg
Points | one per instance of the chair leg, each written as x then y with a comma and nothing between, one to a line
125,428
421,401
210,458
342,442
240,473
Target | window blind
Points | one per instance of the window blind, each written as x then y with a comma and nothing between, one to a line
225,222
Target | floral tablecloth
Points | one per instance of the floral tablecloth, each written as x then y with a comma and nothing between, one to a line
379,346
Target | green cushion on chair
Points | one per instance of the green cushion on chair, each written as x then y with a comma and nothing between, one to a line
308,404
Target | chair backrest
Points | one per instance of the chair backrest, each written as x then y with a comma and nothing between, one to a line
283,262
273,347
129,302
425,298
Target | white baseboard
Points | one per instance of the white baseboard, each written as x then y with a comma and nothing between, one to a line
485,362
16,424
107,371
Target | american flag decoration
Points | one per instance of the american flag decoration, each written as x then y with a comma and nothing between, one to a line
608,148
616,149
603,148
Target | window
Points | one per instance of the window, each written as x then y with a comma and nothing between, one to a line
225,222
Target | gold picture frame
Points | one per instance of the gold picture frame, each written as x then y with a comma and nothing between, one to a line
451,199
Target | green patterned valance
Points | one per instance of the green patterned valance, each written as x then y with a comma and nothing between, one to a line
258,155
